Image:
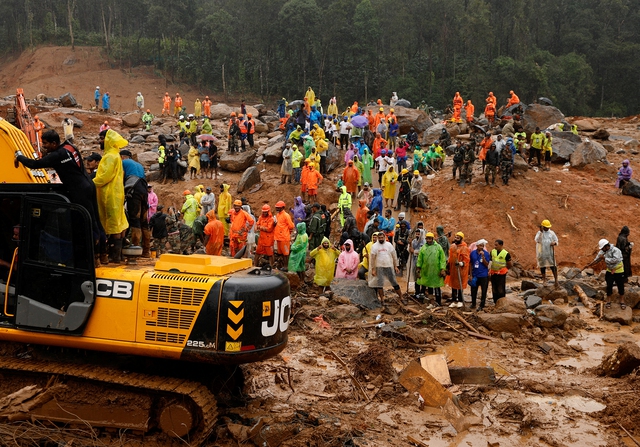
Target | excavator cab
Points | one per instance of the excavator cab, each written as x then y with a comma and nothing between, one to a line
50,284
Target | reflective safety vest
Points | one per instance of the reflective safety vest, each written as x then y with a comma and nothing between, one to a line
243,126
161,154
499,261
617,269
253,126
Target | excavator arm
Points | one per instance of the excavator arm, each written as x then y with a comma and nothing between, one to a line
12,140
25,122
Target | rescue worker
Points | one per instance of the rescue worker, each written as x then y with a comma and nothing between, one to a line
158,224
106,102
242,125
546,241
213,235
537,141
224,206
614,261
311,181
490,113
251,129
404,193
38,127
458,271
282,234
500,265
467,165
140,101
197,108
234,134
177,109
492,99
458,102
547,150
241,224
416,189
266,226
192,129
469,109
513,100
325,256
299,251
316,226
206,104
506,163
458,156
351,177
493,161
166,104
189,208
137,202
430,269
147,118
479,273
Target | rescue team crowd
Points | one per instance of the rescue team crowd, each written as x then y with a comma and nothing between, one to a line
372,245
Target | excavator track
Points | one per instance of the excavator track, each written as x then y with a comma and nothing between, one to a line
175,407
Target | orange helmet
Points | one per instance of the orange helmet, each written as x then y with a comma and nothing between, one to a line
36,117
233,114
266,208
249,115
206,97
237,202
106,122
241,116
166,93
148,110
186,192
177,94
280,204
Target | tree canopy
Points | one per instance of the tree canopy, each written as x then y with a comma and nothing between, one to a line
582,54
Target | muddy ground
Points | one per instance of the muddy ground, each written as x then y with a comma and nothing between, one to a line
307,397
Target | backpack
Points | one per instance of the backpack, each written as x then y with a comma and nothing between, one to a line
458,156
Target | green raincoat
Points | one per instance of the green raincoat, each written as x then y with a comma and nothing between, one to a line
298,254
325,263
367,162
431,260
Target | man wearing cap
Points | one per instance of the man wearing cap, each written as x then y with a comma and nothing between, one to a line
91,164
345,127
266,227
546,241
383,263
316,226
208,201
458,270
241,223
500,265
613,259
479,272
192,129
282,236
137,200
430,269
213,234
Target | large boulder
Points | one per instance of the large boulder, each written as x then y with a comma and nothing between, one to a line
357,291
334,157
587,124
278,139
407,117
219,111
501,322
616,314
557,135
148,158
601,134
510,305
68,100
249,178
432,133
532,301
632,188
273,154
237,161
261,108
587,153
537,115
549,315
261,127
131,120
136,139
562,150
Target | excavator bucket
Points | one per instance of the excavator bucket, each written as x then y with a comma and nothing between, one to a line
13,140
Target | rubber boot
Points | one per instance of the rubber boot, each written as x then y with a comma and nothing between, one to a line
146,243
136,236
115,251
104,258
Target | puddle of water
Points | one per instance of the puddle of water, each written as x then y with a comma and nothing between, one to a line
583,404
593,349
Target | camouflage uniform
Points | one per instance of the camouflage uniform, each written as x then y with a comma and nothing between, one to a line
173,230
506,164
187,239
467,166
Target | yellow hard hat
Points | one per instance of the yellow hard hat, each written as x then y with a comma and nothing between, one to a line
404,171
461,234
429,234
545,223
382,109
416,172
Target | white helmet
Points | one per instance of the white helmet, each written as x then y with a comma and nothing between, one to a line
181,117
97,87
602,243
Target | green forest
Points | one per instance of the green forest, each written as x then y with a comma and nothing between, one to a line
582,54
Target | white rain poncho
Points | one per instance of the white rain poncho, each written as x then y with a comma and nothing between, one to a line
544,251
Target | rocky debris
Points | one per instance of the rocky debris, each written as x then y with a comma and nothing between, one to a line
137,139
504,322
510,304
147,158
220,111
587,153
275,139
562,150
631,145
532,301
344,312
601,134
131,120
432,133
261,108
357,291
68,100
237,161
550,293
632,188
586,124
632,297
571,272
549,315
273,154
334,158
616,314
623,361
590,291
566,136
402,103
537,115
407,117
250,177
261,127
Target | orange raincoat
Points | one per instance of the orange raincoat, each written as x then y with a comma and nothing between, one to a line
458,253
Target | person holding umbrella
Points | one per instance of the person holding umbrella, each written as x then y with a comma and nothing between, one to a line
546,241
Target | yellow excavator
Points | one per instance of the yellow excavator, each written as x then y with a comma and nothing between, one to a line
191,312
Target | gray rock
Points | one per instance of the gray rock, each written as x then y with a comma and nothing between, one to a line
249,178
532,301
271,119
432,133
587,153
68,100
358,292
549,315
571,272
220,111
136,140
278,139
334,158
618,315
261,127
551,293
505,322
407,118
402,103
601,134
131,120
586,288
632,188
562,150
609,147
528,285
148,158
631,144
538,115
261,108
632,297
511,305
273,134
273,154
567,136
237,161
527,293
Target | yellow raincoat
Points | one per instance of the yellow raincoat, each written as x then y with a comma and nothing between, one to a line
198,196
311,96
325,263
197,109
389,182
194,159
109,183
224,206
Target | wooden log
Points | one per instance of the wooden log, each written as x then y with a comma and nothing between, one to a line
353,378
466,324
480,336
583,296
623,361
416,378
477,375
